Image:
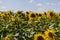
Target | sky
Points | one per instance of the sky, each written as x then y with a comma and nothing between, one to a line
30,5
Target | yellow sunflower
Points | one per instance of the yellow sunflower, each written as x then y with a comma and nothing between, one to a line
31,20
58,15
44,14
7,38
13,19
39,36
2,15
8,12
19,12
26,14
32,15
36,14
49,14
49,33
39,16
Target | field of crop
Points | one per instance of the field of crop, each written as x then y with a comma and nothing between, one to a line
29,25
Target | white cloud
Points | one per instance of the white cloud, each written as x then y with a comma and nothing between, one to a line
58,2
31,1
3,7
41,9
0,2
50,3
47,3
39,4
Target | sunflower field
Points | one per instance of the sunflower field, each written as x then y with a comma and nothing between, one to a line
29,25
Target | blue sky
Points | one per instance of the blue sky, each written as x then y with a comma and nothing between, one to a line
30,5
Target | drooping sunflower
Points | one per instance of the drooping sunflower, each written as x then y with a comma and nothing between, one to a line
49,33
39,36
7,38
50,14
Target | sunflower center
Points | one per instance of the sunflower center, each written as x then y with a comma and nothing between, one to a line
27,12
59,14
40,15
32,15
37,14
45,13
40,38
50,35
19,12
51,14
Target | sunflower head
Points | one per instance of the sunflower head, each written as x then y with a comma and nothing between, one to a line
27,12
7,38
36,14
49,14
58,15
49,33
19,12
32,15
40,15
8,12
13,19
0,12
39,36
2,15
44,14
30,20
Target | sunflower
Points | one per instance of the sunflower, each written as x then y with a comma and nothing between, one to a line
13,19
58,15
31,20
49,14
7,38
39,16
19,12
39,36
49,33
26,14
32,15
36,14
44,14
2,15
8,12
